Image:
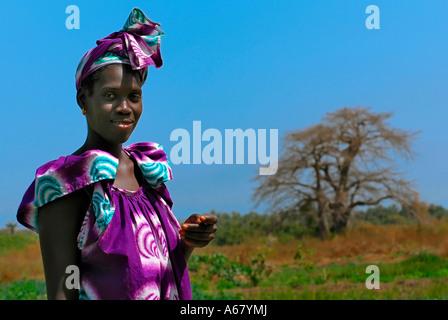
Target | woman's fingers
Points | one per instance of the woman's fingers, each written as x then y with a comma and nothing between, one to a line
208,219
195,242
204,223
194,218
194,227
201,236
205,219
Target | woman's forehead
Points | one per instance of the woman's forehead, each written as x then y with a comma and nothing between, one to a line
118,75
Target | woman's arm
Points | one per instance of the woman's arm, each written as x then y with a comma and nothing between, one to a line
187,250
59,223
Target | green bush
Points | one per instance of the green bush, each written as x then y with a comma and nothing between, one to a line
23,290
292,223
228,274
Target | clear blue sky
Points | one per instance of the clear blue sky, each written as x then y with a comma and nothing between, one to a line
230,64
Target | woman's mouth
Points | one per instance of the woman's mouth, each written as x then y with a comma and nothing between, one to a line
122,124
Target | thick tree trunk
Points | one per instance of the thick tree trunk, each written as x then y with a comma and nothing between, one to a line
324,226
340,209
341,216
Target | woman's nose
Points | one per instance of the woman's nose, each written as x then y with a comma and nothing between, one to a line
124,107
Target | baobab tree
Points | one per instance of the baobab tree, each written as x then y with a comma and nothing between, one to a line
344,162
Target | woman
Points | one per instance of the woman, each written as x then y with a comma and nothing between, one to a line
105,208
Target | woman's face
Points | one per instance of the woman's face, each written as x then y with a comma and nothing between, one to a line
115,105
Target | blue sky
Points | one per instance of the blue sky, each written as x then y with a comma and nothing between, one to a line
229,64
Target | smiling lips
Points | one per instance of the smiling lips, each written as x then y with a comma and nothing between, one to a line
123,123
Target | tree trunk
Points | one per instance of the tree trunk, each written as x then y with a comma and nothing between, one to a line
340,211
324,227
340,219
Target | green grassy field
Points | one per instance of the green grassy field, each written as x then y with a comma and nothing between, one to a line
423,276
413,264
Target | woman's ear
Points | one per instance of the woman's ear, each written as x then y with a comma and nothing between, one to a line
81,97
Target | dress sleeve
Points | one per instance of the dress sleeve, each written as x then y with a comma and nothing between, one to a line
154,165
152,161
63,176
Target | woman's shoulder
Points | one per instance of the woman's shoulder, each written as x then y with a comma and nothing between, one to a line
62,176
152,161
72,172
67,174
75,171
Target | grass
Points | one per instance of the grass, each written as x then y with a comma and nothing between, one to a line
26,263
423,276
31,289
18,241
409,290
413,263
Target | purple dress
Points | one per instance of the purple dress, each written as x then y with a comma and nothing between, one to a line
129,241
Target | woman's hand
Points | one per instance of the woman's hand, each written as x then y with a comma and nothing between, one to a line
198,230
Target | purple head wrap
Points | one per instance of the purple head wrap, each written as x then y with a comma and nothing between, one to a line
136,44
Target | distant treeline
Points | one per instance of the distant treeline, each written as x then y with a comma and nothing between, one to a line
236,228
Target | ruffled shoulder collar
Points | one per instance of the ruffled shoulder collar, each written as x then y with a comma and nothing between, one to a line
152,161
70,173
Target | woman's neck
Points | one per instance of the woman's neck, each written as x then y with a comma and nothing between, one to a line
97,143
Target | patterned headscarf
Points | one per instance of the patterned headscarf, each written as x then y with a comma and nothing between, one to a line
136,44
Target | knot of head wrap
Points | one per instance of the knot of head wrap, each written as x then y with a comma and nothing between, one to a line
136,44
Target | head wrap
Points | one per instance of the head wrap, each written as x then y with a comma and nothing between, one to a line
136,44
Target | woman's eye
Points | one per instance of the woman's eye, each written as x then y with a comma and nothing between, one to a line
136,97
109,95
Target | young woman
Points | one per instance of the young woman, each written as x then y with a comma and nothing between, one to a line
105,210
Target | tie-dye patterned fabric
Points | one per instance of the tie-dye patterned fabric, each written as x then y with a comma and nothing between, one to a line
137,44
129,240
